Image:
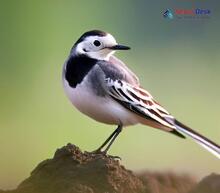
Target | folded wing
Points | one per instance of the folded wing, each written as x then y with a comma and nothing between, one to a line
142,103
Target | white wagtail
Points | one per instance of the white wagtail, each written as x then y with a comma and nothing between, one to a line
104,88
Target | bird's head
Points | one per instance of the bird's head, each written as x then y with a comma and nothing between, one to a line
97,44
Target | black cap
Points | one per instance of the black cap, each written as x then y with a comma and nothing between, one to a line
91,33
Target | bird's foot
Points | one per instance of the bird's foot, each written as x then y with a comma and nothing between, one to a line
103,153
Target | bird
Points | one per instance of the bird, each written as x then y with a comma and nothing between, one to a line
102,87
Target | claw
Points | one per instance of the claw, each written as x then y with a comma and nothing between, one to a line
114,157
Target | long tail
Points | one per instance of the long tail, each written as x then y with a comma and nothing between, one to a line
200,139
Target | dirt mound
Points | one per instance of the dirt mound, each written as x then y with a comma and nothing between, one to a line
72,171
167,182
209,184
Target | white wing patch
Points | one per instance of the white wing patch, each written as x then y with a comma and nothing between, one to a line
139,101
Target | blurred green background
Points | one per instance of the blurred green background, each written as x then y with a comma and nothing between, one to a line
176,60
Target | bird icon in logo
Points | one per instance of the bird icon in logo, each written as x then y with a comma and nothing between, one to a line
168,14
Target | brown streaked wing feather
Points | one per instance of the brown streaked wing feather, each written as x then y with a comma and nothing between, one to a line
142,103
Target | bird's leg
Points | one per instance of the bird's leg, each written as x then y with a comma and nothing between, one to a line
118,130
111,138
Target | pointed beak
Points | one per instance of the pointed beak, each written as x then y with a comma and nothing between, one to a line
119,47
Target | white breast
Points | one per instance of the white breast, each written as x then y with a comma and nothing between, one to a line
102,109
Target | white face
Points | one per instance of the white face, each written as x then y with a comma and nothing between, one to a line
97,47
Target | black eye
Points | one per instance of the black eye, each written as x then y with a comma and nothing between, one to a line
97,43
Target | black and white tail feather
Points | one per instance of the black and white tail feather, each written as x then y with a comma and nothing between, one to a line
142,103
200,139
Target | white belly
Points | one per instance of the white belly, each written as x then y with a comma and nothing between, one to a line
102,109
